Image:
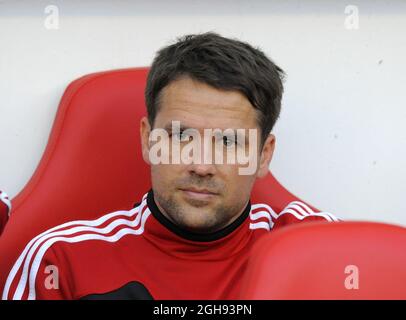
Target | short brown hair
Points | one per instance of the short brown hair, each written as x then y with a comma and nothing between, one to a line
223,63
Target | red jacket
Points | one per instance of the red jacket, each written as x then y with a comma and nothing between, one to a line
140,254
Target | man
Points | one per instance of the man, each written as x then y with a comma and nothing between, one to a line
210,100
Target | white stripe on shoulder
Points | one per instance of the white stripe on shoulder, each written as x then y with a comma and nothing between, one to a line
113,238
70,224
112,225
301,210
261,225
260,214
310,211
292,212
303,205
256,206
258,211
332,217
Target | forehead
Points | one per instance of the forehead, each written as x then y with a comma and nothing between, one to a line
200,106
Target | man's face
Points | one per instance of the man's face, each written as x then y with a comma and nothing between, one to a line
203,197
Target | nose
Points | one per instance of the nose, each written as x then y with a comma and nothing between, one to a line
202,169
205,164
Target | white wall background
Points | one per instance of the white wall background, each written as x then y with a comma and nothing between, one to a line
341,138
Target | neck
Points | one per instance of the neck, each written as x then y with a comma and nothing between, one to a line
194,235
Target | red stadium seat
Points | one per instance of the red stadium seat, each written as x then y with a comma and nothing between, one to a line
346,260
92,163
5,208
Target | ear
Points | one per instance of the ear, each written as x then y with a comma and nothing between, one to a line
145,130
266,156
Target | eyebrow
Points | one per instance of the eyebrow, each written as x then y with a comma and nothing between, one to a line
168,128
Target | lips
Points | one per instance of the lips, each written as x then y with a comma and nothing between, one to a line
196,190
198,194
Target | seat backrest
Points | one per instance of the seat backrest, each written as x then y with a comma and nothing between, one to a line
345,260
92,163
5,207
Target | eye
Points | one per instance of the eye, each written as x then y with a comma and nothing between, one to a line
182,136
229,141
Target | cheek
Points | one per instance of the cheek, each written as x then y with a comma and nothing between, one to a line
237,185
163,176
159,177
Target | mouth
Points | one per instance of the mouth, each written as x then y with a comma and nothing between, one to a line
198,194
